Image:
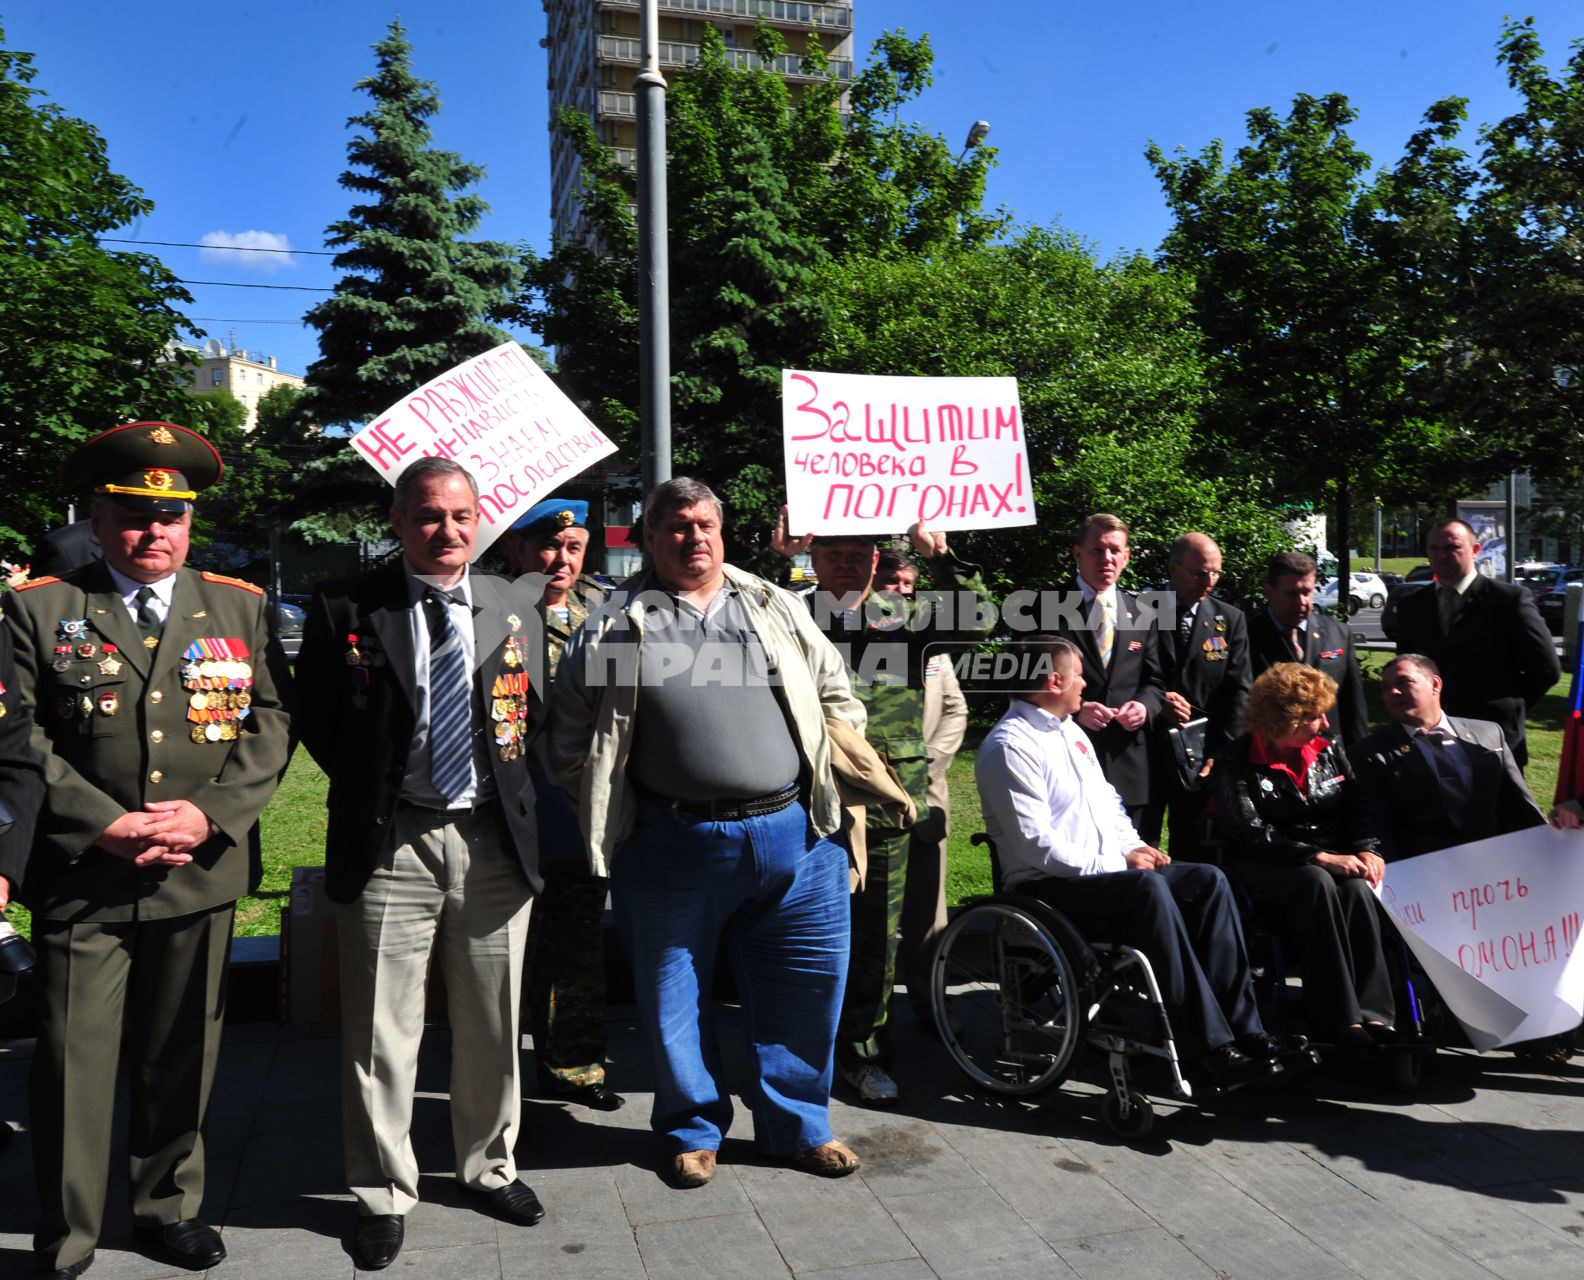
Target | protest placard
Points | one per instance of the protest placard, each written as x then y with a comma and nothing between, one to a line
500,416
1495,924
877,454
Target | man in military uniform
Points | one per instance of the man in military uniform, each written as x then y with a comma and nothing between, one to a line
565,986
1205,668
886,643
155,693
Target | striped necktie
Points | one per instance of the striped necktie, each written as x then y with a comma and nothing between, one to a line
450,701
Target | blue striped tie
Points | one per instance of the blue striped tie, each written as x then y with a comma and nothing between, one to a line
450,702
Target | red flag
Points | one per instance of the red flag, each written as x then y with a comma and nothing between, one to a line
1570,777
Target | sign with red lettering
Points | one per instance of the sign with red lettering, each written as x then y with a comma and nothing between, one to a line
500,416
878,454
1495,925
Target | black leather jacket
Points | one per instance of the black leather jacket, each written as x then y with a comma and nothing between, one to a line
1263,815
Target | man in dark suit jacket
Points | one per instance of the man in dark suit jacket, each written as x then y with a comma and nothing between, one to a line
21,780
1291,630
1487,637
1205,666
1430,781
154,695
1120,643
414,685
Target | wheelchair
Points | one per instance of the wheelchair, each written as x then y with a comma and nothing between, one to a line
1017,994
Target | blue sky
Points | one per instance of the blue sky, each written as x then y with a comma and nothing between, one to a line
233,118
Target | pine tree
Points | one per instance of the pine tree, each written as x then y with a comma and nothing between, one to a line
417,296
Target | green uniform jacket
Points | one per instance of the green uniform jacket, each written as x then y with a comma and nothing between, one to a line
114,731
886,645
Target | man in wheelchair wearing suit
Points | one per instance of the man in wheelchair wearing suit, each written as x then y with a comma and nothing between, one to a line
1063,836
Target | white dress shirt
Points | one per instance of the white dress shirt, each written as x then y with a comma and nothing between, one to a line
417,786
1047,806
160,602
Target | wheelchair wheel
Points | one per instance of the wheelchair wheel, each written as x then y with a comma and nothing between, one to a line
1139,1120
1008,998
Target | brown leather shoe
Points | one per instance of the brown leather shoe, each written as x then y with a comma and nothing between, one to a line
833,1160
693,1168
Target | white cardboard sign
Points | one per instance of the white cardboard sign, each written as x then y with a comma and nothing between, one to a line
500,416
877,453
1496,926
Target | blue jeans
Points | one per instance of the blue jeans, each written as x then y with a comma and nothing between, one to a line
778,896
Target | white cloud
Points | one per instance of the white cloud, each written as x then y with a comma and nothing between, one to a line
229,247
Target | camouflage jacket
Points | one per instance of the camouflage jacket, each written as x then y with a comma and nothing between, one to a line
886,643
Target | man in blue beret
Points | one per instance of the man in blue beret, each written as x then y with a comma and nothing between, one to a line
565,982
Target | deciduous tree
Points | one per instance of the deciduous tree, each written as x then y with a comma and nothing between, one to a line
84,331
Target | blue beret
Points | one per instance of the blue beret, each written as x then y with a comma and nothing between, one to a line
551,516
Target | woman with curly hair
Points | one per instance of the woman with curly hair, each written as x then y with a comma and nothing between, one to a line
1289,813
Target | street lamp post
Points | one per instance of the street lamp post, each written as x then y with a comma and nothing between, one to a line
977,133
654,283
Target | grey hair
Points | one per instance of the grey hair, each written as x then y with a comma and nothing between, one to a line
422,470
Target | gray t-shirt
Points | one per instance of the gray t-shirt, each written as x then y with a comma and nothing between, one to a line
709,725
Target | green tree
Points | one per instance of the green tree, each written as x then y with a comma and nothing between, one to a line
416,296
84,331
765,196
1522,349
1325,296
1110,380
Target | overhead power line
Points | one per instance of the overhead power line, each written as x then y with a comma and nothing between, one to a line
230,248
237,284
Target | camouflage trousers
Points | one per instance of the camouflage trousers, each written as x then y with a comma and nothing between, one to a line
864,1032
565,987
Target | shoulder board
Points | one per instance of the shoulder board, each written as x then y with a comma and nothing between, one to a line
232,582
34,582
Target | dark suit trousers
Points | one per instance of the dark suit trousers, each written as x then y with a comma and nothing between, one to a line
171,975
1333,924
1184,918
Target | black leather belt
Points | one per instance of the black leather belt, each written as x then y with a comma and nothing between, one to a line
726,810
462,811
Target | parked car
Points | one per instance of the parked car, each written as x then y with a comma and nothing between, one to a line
1538,576
1552,602
289,620
1365,590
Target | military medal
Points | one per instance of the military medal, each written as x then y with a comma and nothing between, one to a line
61,664
66,708
109,703
73,627
86,705
109,667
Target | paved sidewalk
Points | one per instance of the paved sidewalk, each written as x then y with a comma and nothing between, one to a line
1480,1174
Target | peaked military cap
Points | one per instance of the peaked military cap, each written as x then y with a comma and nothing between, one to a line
148,466
551,516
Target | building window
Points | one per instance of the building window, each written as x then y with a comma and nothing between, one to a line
217,377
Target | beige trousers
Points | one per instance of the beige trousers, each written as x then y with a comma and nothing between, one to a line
447,888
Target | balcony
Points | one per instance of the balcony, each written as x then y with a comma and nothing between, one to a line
830,17
615,104
627,49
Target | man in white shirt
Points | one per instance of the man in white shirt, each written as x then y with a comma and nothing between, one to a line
1063,836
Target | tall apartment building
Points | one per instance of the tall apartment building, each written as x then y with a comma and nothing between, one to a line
594,52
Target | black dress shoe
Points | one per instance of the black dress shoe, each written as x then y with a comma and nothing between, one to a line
1277,1048
377,1240
1228,1068
597,1097
188,1243
66,1273
514,1202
